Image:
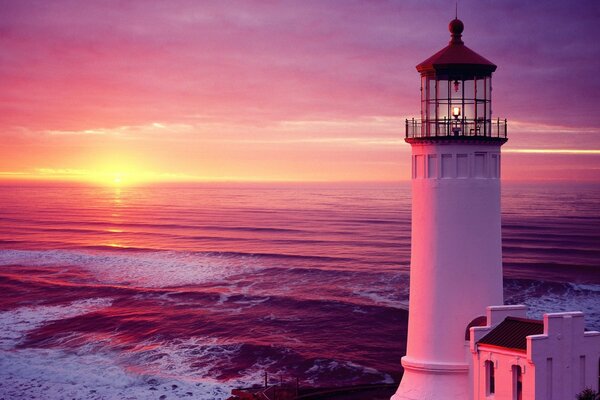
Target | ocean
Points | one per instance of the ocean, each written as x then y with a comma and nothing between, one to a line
187,291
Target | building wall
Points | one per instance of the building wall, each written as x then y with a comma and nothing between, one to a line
567,357
556,365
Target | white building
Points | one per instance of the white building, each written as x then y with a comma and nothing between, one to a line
456,257
516,358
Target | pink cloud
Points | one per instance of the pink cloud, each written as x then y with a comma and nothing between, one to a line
247,67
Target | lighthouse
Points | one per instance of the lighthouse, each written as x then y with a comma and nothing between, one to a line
456,254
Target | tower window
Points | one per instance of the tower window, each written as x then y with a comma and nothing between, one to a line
431,166
447,166
462,165
480,165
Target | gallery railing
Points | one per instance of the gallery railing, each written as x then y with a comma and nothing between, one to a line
416,128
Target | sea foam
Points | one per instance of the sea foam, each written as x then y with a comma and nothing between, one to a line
86,372
143,269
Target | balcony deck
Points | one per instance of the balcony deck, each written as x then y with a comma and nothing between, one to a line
453,130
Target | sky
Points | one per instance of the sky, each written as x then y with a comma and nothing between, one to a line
136,91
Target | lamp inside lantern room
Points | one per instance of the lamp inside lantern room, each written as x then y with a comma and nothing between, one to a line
456,112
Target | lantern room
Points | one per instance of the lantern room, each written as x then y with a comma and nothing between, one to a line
456,94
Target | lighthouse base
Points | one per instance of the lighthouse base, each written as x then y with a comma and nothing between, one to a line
433,381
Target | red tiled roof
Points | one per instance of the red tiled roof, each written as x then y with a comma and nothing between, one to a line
512,333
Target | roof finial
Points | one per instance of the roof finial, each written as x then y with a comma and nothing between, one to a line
456,28
456,10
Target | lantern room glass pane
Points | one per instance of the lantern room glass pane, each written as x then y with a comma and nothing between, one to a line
456,89
443,110
442,92
480,88
488,88
480,110
469,109
469,87
431,88
431,110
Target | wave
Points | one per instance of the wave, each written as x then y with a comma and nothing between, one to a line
548,252
147,268
546,297
17,322
139,338
60,374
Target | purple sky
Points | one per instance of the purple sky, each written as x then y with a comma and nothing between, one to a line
295,90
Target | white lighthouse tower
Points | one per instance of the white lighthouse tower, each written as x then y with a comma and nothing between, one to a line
456,255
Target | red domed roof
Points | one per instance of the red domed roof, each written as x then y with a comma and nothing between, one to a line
456,59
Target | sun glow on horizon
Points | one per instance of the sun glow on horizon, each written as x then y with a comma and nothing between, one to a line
100,177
